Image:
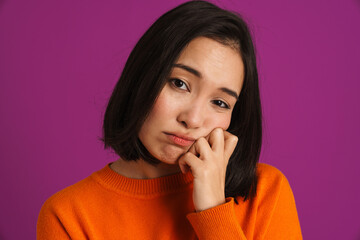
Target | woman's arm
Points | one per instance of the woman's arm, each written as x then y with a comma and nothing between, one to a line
270,215
219,222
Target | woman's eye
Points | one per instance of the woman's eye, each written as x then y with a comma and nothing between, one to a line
179,84
221,104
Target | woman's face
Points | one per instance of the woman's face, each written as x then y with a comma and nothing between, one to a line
198,97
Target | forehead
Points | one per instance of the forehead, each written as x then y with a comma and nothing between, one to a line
217,63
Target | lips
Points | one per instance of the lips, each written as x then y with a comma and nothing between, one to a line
180,140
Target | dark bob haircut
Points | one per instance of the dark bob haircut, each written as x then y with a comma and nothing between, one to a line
145,74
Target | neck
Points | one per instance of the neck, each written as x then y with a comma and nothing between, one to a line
143,170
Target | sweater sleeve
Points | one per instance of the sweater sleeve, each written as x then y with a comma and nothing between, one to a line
217,223
272,213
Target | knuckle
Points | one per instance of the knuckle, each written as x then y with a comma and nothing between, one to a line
202,140
187,154
234,138
218,131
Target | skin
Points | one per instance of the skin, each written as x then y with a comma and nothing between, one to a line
194,106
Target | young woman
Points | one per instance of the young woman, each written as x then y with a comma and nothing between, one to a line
185,119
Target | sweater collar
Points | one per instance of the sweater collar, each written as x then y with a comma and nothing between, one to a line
162,185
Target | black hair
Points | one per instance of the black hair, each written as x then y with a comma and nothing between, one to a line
146,72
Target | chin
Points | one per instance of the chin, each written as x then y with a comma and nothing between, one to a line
168,154
171,157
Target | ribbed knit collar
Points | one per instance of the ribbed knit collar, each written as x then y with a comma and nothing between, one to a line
130,186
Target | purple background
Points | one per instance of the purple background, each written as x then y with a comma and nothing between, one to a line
59,61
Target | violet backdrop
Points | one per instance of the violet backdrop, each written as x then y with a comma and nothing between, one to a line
59,61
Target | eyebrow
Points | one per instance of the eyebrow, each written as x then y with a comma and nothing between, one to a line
189,69
198,74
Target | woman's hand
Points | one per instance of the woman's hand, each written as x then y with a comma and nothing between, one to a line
207,160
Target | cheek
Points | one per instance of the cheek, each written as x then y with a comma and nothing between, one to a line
221,122
164,108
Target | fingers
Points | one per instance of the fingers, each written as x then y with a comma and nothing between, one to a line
219,141
202,148
216,139
189,161
230,144
192,149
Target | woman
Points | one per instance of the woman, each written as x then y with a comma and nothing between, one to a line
185,119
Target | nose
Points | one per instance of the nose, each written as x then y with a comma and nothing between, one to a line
192,116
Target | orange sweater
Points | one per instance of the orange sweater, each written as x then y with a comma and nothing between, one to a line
107,205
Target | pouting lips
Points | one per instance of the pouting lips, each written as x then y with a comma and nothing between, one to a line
179,140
